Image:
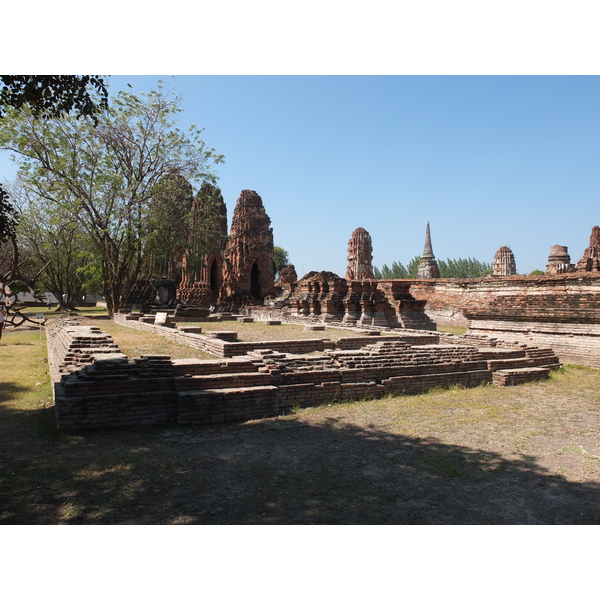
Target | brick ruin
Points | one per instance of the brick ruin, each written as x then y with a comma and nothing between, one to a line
96,386
557,311
201,283
591,256
504,262
237,270
519,328
360,255
559,261
249,271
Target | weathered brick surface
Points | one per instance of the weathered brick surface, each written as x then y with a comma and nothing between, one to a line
360,255
557,311
248,272
115,391
519,376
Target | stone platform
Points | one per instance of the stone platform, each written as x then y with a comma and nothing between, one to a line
104,388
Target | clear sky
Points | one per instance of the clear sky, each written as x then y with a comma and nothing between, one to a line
487,160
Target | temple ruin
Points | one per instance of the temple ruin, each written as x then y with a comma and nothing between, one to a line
519,328
229,270
201,281
249,271
559,261
360,255
96,386
504,263
428,267
590,260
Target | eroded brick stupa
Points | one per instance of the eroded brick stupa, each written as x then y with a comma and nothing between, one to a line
360,255
201,281
249,271
559,261
591,256
504,262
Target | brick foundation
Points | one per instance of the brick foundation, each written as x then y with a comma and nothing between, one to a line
107,389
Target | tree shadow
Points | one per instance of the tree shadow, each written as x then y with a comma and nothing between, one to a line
281,471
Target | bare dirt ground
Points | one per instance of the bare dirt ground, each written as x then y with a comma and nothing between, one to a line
522,455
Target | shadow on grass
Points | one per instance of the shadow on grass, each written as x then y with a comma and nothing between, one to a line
278,472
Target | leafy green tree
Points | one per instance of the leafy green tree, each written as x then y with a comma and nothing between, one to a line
51,96
105,176
8,217
413,267
396,271
60,251
47,96
537,272
281,259
461,268
464,268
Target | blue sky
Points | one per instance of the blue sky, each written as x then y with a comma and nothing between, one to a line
487,160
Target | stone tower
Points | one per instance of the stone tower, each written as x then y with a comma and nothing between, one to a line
202,279
360,255
428,267
249,271
591,256
559,261
504,262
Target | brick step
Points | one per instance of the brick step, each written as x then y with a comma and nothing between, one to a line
505,377
227,380
509,363
220,367
206,407
252,391
500,353
550,359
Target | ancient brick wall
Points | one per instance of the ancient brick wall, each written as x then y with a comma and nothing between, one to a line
115,391
561,311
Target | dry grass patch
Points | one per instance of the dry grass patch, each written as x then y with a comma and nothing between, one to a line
527,454
133,342
259,331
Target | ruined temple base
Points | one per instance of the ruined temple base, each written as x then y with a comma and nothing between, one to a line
573,343
95,386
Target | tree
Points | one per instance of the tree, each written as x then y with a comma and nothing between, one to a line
464,268
51,96
55,243
46,96
461,268
397,271
8,217
412,267
105,176
281,259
